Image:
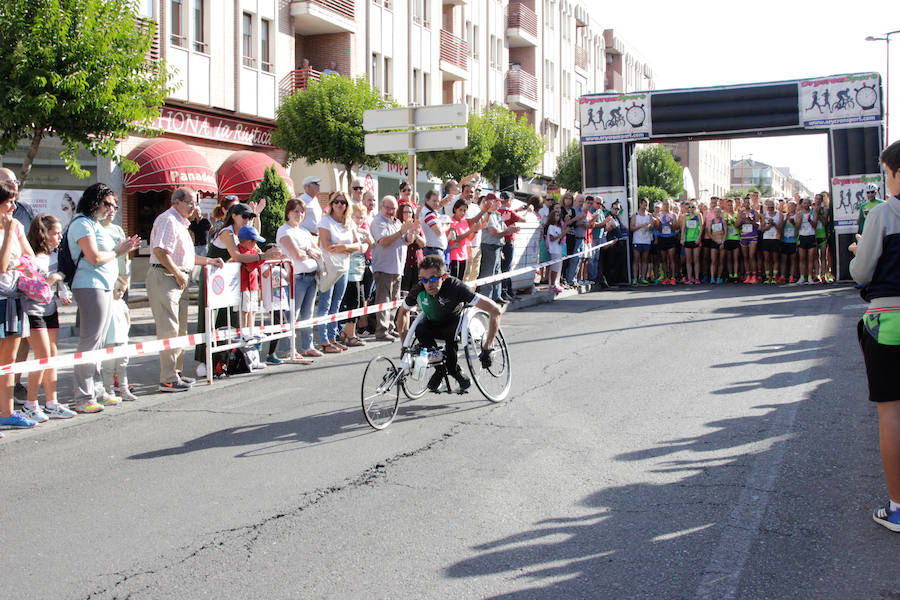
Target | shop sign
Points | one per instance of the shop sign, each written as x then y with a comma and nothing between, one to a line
181,121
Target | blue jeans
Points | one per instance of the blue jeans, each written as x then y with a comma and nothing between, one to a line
304,302
490,265
572,271
329,304
593,270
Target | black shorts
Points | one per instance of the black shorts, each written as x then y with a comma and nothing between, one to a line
882,362
691,244
788,248
770,245
47,322
732,244
709,244
666,243
807,242
654,248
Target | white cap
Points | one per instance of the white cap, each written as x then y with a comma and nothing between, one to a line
310,179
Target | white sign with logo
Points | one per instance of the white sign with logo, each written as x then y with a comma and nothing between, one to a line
223,286
845,100
610,195
614,117
848,193
59,203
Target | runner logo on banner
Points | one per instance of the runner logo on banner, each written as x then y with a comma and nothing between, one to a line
844,100
848,193
614,117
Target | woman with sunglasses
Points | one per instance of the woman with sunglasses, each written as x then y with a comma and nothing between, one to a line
338,239
225,246
96,255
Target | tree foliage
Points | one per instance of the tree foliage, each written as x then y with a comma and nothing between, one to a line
76,69
276,192
456,164
657,168
517,149
325,123
568,168
652,193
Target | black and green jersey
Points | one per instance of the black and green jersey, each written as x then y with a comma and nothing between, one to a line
864,212
453,297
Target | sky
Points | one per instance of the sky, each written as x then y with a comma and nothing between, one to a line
699,43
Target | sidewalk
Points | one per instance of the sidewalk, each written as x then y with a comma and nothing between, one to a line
143,371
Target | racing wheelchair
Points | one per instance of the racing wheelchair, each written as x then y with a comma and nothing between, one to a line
383,378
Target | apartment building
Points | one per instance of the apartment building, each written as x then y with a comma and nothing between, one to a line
534,56
235,60
709,163
773,181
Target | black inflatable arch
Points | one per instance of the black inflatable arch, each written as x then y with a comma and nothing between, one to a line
846,107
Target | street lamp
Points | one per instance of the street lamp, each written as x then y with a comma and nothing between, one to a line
887,79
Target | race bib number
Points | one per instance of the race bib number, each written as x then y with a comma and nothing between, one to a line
717,227
770,234
807,229
747,228
732,231
666,230
691,224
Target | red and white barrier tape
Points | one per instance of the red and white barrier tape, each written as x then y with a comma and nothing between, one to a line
189,341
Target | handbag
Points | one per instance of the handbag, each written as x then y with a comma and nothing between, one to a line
31,283
330,269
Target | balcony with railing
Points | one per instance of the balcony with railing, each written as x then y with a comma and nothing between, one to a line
521,90
454,57
581,58
315,17
521,25
298,79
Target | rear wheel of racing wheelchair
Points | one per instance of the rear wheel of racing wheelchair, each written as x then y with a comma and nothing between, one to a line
494,381
380,392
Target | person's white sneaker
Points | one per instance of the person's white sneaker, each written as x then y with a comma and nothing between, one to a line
35,414
125,394
58,411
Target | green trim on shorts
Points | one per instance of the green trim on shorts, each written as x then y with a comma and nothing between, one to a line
883,327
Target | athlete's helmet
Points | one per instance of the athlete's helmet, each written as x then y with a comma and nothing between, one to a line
871,187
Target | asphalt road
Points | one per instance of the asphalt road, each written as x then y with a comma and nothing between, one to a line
690,443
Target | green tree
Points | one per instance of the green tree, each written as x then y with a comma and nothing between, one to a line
653,194
76,69
517,149
325,123
657,168
568,168
274,189
456,164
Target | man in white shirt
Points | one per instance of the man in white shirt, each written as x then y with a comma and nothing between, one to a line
171,261
434,225
310,199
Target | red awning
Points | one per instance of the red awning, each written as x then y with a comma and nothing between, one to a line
242,171
164,165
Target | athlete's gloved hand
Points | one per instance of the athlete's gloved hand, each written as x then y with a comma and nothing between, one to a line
486,358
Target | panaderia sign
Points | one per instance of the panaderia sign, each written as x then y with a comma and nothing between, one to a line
208,127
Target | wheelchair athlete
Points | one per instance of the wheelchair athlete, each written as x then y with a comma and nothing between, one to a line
443,299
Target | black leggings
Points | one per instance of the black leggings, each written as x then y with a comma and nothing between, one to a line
458,269
428,332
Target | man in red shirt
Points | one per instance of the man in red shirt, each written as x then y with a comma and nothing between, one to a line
510,217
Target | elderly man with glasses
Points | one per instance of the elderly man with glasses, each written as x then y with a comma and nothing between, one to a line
357,188
171,262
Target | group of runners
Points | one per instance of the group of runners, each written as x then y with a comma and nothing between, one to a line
734,240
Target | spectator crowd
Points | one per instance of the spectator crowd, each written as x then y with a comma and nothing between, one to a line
346,251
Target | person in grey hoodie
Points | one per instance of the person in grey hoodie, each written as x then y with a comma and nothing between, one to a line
877,269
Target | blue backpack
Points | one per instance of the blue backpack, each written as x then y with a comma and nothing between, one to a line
65,264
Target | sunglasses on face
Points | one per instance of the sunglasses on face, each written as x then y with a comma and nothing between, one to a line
434,279
344,202
357,187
